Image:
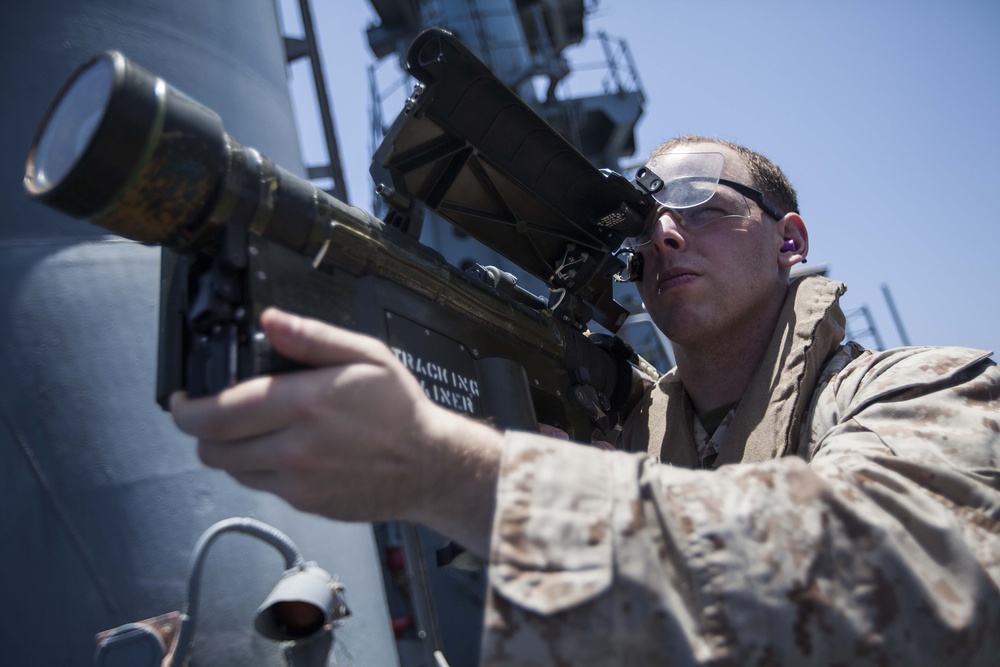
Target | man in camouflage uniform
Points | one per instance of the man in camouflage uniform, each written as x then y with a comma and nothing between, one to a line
862,525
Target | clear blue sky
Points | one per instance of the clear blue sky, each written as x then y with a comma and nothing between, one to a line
885,114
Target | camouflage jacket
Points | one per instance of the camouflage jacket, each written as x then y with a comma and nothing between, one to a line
861,526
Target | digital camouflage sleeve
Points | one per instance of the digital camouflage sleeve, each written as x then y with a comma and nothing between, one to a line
876,541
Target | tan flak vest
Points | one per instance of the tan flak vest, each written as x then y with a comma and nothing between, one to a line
768,418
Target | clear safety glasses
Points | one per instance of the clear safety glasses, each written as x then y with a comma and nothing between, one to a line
687,186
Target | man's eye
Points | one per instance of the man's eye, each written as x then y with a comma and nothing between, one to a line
701,216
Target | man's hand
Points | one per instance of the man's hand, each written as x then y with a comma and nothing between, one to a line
354,438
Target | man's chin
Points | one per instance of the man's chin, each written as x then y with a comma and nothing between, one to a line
680,325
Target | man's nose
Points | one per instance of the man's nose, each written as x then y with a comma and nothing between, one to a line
667,232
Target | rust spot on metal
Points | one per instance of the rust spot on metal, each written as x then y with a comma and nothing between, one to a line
170,194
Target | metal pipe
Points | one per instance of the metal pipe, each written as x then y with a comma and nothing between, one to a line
895,315
323,100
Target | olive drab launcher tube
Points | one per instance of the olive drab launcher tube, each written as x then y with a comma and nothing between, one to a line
124,149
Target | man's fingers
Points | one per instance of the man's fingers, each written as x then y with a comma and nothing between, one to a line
553,431
316,343
253,407
261,480
250,456
267,404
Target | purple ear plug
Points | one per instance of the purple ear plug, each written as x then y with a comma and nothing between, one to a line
788,245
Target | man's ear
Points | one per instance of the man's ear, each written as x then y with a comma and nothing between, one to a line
794,240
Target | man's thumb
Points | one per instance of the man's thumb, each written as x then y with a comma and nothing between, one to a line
315,343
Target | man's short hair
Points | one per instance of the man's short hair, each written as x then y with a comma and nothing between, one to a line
766,175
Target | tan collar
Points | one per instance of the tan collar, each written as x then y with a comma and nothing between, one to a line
767,420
